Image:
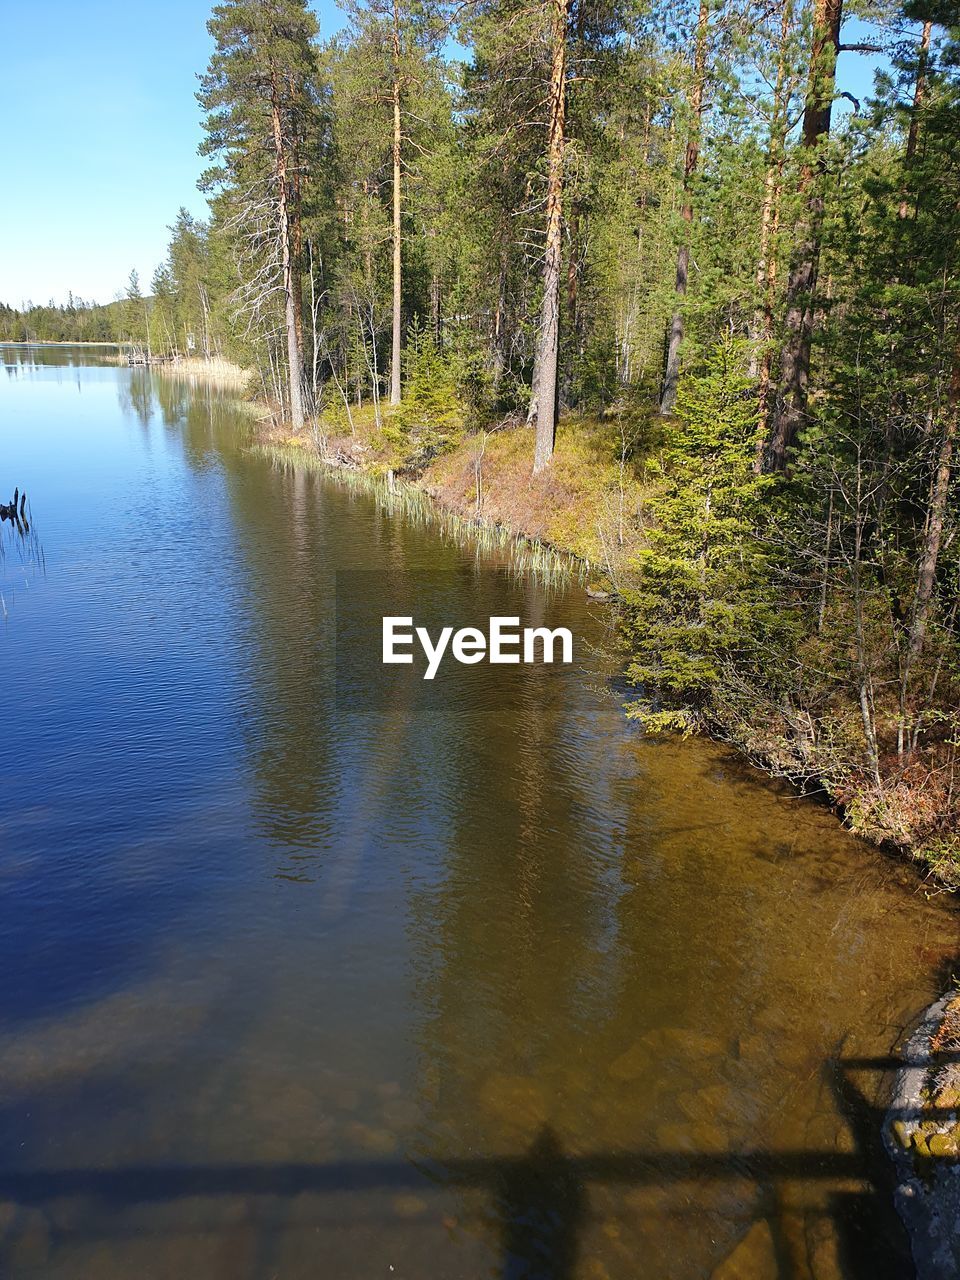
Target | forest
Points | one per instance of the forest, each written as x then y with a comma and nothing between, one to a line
644,281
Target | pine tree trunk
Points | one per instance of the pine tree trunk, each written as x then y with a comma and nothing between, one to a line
766,278
543,402
936,514
791,407
572,308
397,246
296,237
294,361
671,375
499,355
919,91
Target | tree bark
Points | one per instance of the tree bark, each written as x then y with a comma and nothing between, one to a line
791,408
767,265
543,400
295,209
671,375
936,516
930,553
499,345
397,244
294,360
919,92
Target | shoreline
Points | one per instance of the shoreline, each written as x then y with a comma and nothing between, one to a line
921,1135
433,500
404,496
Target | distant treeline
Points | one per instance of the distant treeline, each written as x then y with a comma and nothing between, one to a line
76,321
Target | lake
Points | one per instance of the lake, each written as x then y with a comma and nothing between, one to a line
312,968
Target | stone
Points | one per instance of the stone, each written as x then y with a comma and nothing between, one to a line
380,1142
704,1104
631,1065
9,1212
400,1113
408,1206
675,1137
901,1133
687,1043
754,1258
700,1138
753,1047
823,1248
518,1101
31,1246
773,1018
949,1097
943,1145
346,1099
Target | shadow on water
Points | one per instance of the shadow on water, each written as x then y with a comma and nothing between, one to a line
541,1198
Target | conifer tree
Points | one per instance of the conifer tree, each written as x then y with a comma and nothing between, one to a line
261,97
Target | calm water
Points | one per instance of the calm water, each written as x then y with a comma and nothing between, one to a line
309,969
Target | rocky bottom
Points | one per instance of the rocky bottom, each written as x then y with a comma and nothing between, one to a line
922,1134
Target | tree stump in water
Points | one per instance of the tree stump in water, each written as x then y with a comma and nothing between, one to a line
13,514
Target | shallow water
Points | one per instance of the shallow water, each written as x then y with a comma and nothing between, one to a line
312,969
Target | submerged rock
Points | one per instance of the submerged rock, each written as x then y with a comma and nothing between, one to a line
31,1243
517,1101
409,1206
380,1142
400,1114
9,1212
633,1064
685,1042
704,1104
754,1258
701,1138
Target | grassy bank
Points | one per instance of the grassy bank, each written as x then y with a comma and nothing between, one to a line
586,508
728,646
522,550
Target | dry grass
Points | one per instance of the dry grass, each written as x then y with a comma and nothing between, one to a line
584,502
410,502
947,1038
223,373
587,503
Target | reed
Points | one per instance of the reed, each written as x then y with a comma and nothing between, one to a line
519,554
223,373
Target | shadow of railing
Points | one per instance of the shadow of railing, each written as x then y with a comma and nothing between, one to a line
541,1197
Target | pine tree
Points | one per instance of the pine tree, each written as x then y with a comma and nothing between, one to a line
261,96
702,615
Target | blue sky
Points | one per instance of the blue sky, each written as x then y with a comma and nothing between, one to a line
101,129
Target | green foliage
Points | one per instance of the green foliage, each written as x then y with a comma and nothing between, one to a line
702,606
431,416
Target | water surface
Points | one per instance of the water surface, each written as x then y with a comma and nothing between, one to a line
309,969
